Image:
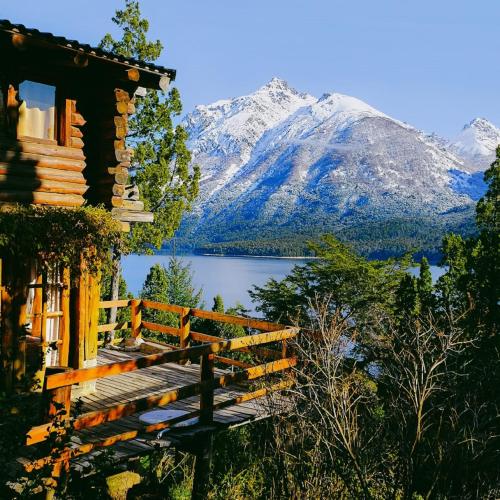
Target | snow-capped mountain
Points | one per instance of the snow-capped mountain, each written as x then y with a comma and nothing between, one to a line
280,159
223,134
477,142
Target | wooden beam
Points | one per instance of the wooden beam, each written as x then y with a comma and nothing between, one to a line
160,306
106,304
184,328
30,146
110,327
26,171
65,319
33,160
11,183
236,320
131,216
41,198
40,433
207,391
136,319
155,327
195,352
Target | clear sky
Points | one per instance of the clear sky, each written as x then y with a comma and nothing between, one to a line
432,63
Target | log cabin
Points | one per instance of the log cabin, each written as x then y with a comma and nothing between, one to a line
64,109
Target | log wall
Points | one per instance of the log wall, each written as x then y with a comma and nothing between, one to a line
41,171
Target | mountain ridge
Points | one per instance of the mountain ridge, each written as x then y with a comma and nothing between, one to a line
278,159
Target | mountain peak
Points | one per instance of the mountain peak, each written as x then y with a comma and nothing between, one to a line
276,82
277,89
479,123
478,140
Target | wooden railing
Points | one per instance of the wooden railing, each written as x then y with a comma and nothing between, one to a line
57,386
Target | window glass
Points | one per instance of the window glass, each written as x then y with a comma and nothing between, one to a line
37,110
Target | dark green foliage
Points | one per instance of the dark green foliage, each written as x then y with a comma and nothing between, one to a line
169,285
224,330
424,286
471,287
161,158
351,284
50,234
377,239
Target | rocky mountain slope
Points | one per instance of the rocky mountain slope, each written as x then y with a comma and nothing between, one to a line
279,162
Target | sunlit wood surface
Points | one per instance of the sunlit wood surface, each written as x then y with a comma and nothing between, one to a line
156,380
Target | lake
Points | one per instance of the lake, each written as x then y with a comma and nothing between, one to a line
231,277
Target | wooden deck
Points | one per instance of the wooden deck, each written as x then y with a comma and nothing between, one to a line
159,379
156,380
182,377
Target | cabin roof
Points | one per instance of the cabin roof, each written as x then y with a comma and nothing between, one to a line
94,52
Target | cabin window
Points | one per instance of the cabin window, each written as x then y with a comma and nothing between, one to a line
37,111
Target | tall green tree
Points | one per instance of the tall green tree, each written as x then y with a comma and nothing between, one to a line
172,284
471,287
161,158
155,288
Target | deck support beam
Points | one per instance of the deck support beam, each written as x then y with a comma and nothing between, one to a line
204,451
202,467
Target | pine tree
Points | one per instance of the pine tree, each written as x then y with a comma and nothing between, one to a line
155,288
471,287
181,290
486,254
425,287
161,158
218,304
169,285
407,298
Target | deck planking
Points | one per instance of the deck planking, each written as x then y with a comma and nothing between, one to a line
153,381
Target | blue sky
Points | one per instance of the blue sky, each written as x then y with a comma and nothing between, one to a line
434,64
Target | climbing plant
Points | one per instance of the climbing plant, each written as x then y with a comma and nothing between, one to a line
52,234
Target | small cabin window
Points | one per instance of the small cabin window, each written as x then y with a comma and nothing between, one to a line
37,111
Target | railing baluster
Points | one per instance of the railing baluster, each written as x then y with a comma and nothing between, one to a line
56,412
136,317
57,399
184,330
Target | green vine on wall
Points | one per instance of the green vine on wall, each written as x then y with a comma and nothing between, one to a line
53,234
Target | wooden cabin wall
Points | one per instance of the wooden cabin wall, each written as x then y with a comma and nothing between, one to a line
108,157
36,170
13,296
30,301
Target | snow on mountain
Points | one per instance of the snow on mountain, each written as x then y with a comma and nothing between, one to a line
477,143
223,134
280,158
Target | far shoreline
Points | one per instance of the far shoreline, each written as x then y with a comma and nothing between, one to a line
245,256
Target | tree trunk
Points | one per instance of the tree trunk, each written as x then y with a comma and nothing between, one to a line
115,289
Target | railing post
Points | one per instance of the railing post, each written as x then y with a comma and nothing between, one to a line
58,399
185,330
57,410
136,317
203,453
207,393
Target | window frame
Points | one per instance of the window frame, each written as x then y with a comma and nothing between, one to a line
40,140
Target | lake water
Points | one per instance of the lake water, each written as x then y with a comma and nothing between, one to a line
231,277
